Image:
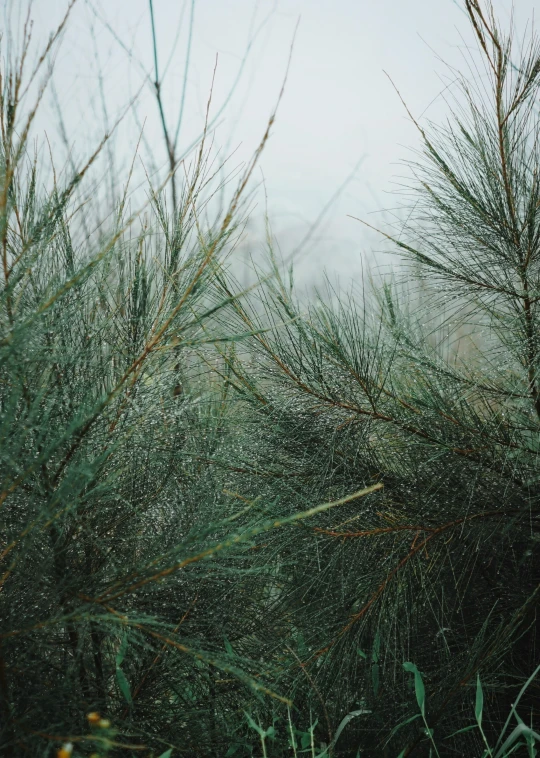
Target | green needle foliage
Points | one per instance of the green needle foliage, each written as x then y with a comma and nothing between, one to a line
231,525
110,499
436,394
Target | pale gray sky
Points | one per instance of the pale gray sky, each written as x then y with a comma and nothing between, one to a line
339,107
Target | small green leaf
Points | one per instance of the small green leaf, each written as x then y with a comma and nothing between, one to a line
418,686
301,644
344,722
260,731
305,740
166,754
462,731
228,646
404,723
376,648
122,651
123,683
375,678
479,706
361,653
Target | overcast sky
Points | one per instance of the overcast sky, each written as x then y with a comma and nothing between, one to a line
339,109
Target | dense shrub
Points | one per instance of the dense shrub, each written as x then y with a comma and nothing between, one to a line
228,521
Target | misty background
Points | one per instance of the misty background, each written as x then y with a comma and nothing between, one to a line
341,129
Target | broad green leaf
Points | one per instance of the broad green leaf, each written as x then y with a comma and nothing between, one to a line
123,683
166,754
479,706
521,729
418,686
